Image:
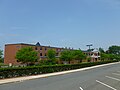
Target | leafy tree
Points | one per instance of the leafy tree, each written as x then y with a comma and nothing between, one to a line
66,55
51,54
78,55
51,57
27,55
104,56
101,50
1,58
114,57
69,55
114,50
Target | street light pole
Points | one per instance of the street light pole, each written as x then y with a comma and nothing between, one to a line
89,46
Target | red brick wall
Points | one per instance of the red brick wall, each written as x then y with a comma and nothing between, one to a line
10,53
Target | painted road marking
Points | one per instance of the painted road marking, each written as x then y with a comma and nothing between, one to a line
113,78
105,85
80,88
116,74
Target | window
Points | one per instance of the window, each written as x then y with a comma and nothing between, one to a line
45,48
40,48
35,48
98,53
40,54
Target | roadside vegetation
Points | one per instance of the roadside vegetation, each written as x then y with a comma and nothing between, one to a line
113,53
28,56
37,70
69,55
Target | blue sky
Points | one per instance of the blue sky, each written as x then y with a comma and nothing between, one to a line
62,23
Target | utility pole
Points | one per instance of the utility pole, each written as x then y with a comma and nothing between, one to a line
89,50
89,46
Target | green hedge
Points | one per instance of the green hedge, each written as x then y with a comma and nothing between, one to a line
35,70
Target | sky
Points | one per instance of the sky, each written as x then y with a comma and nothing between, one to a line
60,23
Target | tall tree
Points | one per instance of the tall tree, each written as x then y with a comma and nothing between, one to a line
66,55
104,56
1,58
78,55
51,58
101,50
27,55
114,50
51,54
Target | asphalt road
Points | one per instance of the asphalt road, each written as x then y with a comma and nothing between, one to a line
102,78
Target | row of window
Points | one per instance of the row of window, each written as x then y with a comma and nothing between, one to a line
46,54
40,48
46,49
92,54
42,54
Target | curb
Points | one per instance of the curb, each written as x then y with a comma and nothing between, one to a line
20,79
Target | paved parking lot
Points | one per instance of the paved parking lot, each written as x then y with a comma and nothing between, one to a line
108,81
111,81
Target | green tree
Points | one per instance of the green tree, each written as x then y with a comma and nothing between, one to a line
105,56
51,54
67,56
1,58
101,50
114,50
51,57
78,55
114,57
27,55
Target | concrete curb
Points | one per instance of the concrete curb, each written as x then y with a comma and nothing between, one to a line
19,79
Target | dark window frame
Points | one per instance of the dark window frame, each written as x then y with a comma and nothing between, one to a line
36,48
41,54
40,48
45,48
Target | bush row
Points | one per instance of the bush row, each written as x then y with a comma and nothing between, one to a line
35,70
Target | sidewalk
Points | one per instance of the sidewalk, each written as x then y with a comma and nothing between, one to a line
19,79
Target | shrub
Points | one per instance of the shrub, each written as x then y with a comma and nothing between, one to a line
35,70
